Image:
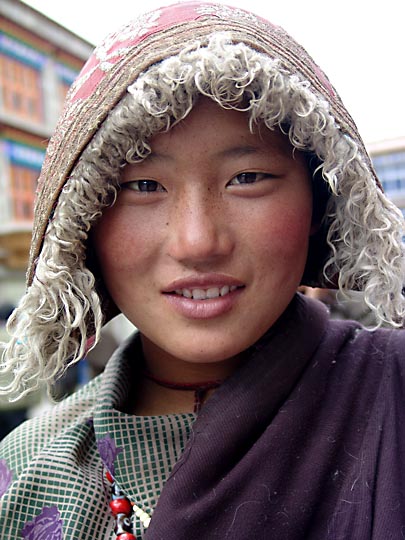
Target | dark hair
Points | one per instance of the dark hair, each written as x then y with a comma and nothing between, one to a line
318,249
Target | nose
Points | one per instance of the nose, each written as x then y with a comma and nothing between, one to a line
198,229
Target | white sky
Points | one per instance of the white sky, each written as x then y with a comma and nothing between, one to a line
360,44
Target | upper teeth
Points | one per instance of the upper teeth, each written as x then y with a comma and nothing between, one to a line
205,294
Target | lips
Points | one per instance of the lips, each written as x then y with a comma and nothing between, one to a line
206,294
203,286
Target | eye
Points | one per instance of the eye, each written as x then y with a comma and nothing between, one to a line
248,178
143,186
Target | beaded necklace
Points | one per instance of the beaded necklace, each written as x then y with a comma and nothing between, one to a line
123,509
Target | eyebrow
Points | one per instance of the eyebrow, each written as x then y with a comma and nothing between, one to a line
240,151
157,156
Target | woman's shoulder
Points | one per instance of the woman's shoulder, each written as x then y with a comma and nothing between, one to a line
386,342
367,355
50,472
63,424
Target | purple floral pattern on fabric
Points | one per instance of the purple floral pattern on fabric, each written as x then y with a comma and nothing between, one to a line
108,452
46,526
6,477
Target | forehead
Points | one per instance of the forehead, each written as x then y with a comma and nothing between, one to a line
210,129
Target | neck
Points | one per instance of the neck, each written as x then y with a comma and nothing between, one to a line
171,385
163,365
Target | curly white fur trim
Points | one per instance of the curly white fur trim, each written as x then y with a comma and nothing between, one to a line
51,326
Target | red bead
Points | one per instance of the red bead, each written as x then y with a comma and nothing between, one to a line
109,477
121,506
126,536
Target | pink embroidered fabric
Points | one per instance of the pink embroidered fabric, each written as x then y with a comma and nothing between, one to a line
115,46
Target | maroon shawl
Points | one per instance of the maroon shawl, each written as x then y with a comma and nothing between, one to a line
305,441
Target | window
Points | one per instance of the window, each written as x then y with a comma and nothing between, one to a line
63,90
66,77
23,185
21,89
391,171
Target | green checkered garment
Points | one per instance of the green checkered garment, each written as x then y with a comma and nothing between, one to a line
52,476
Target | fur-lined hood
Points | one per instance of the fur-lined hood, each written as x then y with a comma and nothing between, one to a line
142,80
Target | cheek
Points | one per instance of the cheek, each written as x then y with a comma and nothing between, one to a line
124,251
120,246
284,235
294,233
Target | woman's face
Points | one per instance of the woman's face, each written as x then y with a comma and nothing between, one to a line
207,241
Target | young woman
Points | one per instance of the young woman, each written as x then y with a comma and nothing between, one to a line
203,169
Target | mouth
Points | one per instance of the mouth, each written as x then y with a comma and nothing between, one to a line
204,297
205,294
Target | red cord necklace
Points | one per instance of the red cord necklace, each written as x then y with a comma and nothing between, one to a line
200,389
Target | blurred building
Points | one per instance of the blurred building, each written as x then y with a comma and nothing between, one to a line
39,59
389,162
